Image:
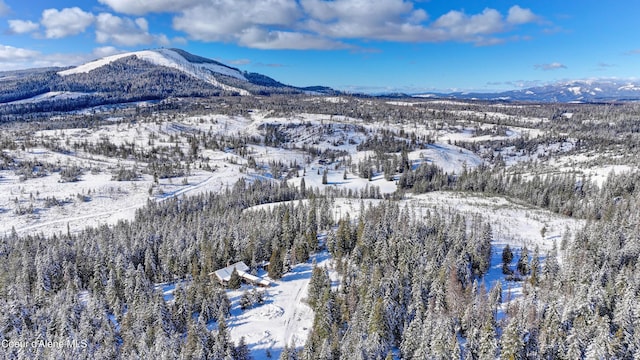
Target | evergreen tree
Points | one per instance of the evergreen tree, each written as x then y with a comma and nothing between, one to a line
535,267
507,257
318,284
488,342
303,187
512,343
276,264
523,262
245,301
411,337
235,281
241,351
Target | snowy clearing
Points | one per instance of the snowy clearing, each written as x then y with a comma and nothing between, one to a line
283,319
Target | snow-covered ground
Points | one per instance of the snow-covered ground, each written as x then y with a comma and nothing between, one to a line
94,200
451,159
284,318
50,96
97,199
512,223
511,289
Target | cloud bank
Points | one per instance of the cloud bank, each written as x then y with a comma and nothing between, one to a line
109,28
321,24
281,24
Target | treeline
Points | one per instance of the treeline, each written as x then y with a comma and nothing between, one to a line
567,194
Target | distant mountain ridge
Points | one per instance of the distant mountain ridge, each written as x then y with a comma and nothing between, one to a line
160,74
563,92
134,76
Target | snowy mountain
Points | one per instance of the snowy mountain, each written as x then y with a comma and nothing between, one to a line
566,91
195,66
134,76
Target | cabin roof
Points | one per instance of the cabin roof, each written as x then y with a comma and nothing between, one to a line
224,274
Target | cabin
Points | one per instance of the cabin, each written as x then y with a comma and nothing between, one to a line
224,275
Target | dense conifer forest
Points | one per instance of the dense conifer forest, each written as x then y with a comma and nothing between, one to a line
401,281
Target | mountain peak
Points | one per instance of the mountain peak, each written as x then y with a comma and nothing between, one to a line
194,65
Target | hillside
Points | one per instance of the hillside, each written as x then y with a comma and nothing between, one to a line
128,77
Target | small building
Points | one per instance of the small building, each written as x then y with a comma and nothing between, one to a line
224,275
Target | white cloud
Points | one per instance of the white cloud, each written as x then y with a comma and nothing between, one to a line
60,59
324,24
126,32
65,22
518,15
269,24
363,11
22,26
227,20
262,39
10,54
395,20
12,58
550,66
460,26
4,9
141,7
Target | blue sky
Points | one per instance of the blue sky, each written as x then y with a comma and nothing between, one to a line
358,45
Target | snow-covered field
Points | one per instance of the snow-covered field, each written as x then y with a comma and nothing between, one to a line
93,200
97,199
50,96
512,223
